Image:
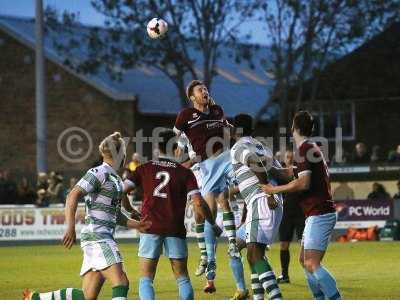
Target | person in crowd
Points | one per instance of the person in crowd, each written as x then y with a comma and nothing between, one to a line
394,156
378,192
72,183
42,199
376,155
26,194
42,182
360,155
278,156
135,162
9,189
55,191
397,195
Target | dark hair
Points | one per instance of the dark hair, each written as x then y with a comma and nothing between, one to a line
191,86
304,122
166,137
245,122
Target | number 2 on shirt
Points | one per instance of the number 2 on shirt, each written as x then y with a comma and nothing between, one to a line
165,177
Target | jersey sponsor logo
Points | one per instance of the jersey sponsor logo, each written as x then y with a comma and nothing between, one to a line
195,120
215,124
369,211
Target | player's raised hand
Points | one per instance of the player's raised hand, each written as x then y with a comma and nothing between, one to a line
144,225
69,238
141,225
268,188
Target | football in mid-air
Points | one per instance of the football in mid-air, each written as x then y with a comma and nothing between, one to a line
157,28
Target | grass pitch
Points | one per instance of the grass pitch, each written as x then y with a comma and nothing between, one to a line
363,271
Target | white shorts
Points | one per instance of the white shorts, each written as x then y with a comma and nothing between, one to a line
99,256
262,223
220,222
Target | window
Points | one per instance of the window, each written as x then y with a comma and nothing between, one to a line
338,115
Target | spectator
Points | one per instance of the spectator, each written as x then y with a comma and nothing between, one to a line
10,193
72,183
378,192
42,199
397,195
360,155
42,182
278,156
376,155
26,194
394,156
135,162
55,190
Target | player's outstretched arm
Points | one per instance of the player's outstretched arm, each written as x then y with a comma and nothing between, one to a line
141,226
125,221
282,175
298,185
71,205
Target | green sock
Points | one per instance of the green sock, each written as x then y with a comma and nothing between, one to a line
200,241
120,292
63,294
256,287
229,225
267,279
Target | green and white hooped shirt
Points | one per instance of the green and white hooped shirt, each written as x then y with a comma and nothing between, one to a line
104,188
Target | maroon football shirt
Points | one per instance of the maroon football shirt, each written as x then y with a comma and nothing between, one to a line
317,200
200,127
166,187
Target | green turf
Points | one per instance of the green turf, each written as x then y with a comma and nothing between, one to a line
363,271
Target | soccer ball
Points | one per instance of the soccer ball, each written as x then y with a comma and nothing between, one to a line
157,28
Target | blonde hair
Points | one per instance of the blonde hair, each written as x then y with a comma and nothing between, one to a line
111,145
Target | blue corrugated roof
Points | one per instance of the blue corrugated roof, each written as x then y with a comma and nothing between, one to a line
237,88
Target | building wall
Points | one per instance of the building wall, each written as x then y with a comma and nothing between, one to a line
70,102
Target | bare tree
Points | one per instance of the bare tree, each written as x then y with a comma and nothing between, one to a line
307,34
195,27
